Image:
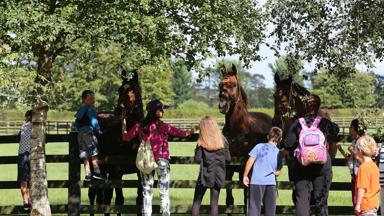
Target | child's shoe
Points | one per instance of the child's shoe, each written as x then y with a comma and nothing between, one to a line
27,206
88,178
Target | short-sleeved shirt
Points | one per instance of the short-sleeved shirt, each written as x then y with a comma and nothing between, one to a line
25,138
268,159
368,178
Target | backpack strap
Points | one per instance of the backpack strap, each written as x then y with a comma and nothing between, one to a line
316,122
303,123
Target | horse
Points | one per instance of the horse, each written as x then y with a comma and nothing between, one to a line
242,129
111,144
290,104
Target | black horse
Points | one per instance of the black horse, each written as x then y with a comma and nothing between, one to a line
111,144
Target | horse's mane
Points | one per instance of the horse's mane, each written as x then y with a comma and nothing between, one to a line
240,113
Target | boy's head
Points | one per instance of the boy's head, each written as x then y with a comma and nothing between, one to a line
88,97
275,135
366,145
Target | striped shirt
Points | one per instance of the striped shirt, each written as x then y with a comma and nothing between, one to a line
25,137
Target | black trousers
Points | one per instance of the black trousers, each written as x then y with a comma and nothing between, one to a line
314,177
198,197
265,194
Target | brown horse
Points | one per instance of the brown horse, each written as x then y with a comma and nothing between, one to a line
242,129
111,144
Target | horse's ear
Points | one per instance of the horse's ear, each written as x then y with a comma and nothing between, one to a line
123,76
234,69
223,70
135,77
277,78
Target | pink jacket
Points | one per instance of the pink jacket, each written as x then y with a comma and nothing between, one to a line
158,137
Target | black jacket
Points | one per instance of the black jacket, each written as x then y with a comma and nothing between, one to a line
212,166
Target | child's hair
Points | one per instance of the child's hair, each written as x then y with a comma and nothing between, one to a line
28,114
367,145
210,136
359,128
85,94
275,135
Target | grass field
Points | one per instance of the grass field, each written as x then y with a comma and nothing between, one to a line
59,171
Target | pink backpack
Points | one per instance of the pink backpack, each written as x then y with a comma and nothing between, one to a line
312,148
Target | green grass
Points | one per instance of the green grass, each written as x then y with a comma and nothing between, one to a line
59,171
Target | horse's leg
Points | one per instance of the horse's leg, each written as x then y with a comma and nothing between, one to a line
119,200
91,196
108,193
139,197
245,191
228,177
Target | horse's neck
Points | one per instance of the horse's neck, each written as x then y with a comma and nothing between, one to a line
237,119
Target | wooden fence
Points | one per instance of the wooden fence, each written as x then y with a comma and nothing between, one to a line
64,127
74,184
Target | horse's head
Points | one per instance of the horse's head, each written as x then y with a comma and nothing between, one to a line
130,94
230,89
289,99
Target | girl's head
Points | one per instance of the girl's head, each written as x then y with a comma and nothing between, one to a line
154,111
210,136
366,145
356,130
28,116
275,135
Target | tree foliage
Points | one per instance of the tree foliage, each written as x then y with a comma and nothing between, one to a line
334,33
288,66
181,82
355,91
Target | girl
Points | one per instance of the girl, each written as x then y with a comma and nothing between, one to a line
212,153
155,131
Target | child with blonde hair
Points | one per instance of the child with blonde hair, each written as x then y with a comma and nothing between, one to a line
212,153
367,180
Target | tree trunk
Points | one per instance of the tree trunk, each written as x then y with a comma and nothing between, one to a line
39,183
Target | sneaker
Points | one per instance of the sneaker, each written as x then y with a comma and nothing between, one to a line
88,178
26,206
97,176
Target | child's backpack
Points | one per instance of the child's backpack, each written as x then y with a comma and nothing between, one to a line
312,148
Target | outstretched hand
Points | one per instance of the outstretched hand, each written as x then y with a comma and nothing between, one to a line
246,181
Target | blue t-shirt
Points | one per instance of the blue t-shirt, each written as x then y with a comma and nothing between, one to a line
268,159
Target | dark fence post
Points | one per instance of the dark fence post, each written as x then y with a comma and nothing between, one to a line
73,176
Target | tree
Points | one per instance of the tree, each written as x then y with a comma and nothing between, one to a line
44,30
181,82
287,66
334,33
379,91
354,91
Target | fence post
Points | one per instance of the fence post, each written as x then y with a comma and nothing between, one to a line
73,176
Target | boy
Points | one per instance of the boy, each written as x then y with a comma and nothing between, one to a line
367,181
87,126
266,160
23,165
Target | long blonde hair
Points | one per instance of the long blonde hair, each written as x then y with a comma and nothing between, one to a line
210,136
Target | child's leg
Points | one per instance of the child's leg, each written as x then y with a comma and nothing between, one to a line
302,196
197,198
256,193
86,167
215,192
163,174
269,200
24,191
95,164
147,184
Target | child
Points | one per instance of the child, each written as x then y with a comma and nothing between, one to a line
367,180
23,165
155,131
266,160
88,125
212,153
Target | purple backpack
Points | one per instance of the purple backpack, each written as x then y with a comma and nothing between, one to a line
312,147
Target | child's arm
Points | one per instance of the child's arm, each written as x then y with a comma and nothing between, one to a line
198,154
360,194
176,131
132,133
248,167
346,155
